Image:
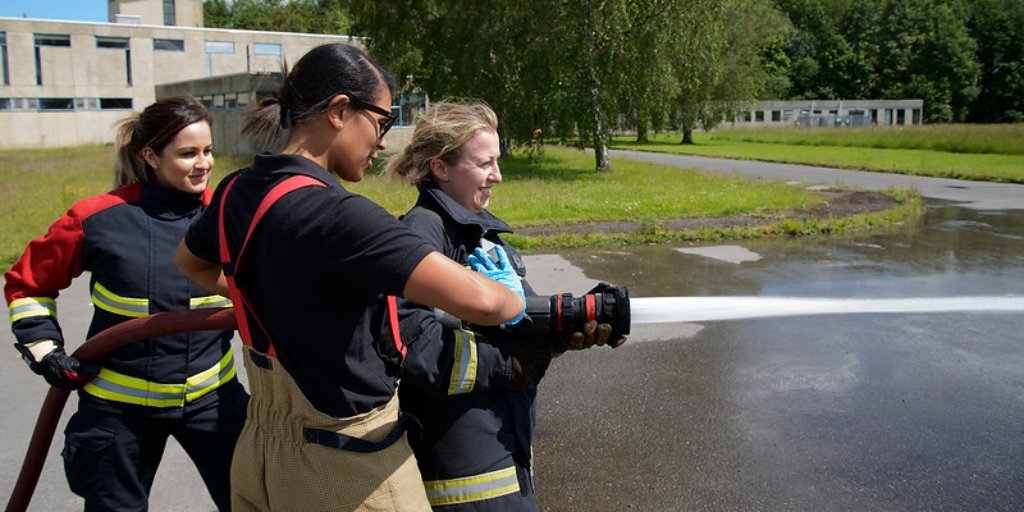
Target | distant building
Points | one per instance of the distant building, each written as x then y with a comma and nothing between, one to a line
66,83
832,113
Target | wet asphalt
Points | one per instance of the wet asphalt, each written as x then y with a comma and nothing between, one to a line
834,412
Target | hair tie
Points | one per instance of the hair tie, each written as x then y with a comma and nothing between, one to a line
286,119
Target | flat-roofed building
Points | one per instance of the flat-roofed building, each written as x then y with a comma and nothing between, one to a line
66,83
831,113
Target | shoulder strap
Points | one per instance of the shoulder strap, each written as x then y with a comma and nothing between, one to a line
396,336
238,296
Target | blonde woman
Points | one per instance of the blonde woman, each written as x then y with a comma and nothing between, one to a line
471,389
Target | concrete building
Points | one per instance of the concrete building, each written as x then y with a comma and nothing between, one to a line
66,83
229,96
832,113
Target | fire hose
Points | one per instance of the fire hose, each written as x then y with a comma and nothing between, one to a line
561,313
92,350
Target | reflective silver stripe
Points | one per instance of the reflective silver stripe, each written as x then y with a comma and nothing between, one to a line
32,306
210,302
472,488
118,387
114,303
464,368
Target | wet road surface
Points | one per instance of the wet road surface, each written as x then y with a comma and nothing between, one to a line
834,412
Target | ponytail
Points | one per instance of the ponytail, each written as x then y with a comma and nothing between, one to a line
307,89
129,166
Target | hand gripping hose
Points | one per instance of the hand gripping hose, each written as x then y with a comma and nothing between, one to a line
158,324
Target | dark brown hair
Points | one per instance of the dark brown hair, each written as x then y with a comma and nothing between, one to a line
154,127
320,75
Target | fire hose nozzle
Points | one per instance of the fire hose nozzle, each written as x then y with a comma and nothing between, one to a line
565,314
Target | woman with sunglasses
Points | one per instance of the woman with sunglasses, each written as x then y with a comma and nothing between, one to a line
307,262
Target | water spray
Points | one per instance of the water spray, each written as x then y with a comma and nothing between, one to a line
565,314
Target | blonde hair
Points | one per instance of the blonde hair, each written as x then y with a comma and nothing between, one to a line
441,132
153,128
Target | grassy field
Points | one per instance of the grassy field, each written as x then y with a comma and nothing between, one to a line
985,152
37,186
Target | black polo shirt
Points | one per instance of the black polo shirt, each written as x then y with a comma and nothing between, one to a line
314,271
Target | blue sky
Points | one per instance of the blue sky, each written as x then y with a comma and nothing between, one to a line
82,10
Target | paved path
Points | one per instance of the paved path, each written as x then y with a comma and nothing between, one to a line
972,194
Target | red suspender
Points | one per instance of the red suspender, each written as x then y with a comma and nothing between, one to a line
396,336
237,294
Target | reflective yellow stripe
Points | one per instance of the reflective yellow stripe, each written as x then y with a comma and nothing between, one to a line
32,306
118,387
114,303
464,369
212,301
472,488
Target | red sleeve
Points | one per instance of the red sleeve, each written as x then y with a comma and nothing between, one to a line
48,265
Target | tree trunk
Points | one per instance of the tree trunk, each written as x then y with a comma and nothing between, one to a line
603,162
641,133
687,136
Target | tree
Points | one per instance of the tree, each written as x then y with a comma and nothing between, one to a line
926,52
217,14
721,62
308,16
998,27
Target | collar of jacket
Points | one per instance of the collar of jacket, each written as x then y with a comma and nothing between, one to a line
169,204
433,198
293,164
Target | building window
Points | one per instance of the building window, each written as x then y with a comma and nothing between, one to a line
169,13
53,40
119,43
266,49
5,104
115,103
58,40
169,45
220,47
759,116
213,47
3,56
56,104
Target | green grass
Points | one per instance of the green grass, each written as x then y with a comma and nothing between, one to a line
39,185
1001,139
1008,168
561,187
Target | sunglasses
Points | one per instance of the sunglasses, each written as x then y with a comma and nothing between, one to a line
383,125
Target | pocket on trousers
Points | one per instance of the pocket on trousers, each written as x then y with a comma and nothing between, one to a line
86,458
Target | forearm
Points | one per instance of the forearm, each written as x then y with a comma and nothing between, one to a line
440,282
205,273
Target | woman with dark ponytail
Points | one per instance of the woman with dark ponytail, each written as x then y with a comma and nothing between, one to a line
307,264
180,385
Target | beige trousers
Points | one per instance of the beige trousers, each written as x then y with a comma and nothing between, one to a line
275,469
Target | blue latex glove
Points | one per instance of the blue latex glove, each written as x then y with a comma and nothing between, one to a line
502,272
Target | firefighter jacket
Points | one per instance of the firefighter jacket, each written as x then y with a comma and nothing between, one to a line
466,422
126,239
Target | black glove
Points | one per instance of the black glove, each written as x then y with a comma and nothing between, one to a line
592,334
61,370
530,360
